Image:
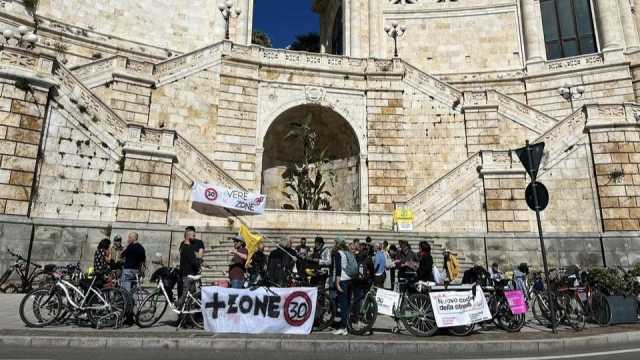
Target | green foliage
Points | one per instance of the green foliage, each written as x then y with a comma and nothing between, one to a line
31,5
306,181
610,281
309,42
261,38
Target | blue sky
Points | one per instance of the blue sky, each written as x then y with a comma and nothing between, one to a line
284,19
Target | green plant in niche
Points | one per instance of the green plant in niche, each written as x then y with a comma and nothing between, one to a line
305,181
32,8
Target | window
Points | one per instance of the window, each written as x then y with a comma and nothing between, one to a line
337,35
568,28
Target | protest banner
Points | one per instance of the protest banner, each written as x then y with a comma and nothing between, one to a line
459,308
259,311
387,300
228,198
516,301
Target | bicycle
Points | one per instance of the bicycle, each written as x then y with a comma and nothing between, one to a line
103,307
151,310
568,306
499,307
414,311
34,279
325,306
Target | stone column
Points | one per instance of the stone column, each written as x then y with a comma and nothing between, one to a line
609,27
244,22
355,35
375,18
630,31
364,184
532,26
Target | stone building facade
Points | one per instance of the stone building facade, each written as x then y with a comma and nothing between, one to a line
105,125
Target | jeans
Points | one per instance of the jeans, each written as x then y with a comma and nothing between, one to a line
186,286
343,302
236,284
129,278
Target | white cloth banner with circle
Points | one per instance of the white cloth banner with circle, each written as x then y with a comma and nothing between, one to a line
259,311
228,198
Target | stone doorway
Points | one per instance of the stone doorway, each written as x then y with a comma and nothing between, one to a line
342,151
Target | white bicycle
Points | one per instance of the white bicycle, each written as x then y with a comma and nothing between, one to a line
103,307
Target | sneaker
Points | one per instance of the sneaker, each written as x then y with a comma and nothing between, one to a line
340,332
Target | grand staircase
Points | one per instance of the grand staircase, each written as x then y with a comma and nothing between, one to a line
217,256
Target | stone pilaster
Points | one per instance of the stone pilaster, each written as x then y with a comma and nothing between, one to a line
609,27
532,25
630,31
22,114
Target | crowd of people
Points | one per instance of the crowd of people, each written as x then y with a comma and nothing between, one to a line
348,269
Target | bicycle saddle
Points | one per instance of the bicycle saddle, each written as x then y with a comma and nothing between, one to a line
194,277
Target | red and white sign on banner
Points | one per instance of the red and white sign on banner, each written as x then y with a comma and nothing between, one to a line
459,308
259,311
228,198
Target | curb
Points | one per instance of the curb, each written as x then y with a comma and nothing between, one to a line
326,346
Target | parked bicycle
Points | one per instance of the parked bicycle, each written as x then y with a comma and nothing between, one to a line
152,309
103,307
568,306
37,276
325,305
499,307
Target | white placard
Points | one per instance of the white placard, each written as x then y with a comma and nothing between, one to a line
387,300
228,198
259,311
458,308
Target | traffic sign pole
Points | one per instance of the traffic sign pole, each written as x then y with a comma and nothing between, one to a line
552,304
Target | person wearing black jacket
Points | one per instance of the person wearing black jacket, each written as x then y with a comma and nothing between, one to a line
425,267
189,264
280,266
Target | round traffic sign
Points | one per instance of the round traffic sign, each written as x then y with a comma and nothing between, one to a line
541,191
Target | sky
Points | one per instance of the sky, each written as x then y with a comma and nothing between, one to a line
282,20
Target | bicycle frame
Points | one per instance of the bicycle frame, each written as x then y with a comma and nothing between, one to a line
172,306
65,285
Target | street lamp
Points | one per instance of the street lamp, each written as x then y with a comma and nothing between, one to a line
571,93
21,37
395,31
227,12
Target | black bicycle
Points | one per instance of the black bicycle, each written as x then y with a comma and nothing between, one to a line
37,277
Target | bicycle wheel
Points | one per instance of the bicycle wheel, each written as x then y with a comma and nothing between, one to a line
507,320
574,312
194,307
151,310
111,315
463,330
361,318
139,294
40,307
42,279
540,309
325,311
416,314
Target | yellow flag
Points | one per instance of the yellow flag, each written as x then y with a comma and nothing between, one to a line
252,242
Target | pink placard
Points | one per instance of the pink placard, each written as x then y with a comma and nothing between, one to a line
515,298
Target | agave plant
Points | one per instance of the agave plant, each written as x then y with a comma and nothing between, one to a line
306,181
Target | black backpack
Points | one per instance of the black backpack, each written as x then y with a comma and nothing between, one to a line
365,268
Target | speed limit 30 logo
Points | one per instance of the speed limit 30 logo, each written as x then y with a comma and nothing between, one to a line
211,194
297,308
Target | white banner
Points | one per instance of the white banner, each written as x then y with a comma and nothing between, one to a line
387,300
228,198
259,311
458,308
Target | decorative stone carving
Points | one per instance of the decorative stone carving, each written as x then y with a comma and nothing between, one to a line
314,94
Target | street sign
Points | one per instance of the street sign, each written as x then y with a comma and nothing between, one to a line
543,196
531,165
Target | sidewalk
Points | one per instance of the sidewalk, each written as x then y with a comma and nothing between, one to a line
532,339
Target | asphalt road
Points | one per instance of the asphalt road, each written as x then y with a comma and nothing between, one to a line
6,353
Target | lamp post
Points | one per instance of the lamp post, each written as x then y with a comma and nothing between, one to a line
395,31
227,11
571,93
21,37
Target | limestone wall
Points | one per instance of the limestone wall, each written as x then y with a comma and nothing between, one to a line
79,177
180,24
189,106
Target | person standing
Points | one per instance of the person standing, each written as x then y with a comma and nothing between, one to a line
257,266
379,266
116,253
425,268
343,285
238,261
101,260
196,244
189,265
302,250
134,258
280,264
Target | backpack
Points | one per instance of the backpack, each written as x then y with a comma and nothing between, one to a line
365,268
351,267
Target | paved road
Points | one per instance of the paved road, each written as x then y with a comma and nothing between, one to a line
101,354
